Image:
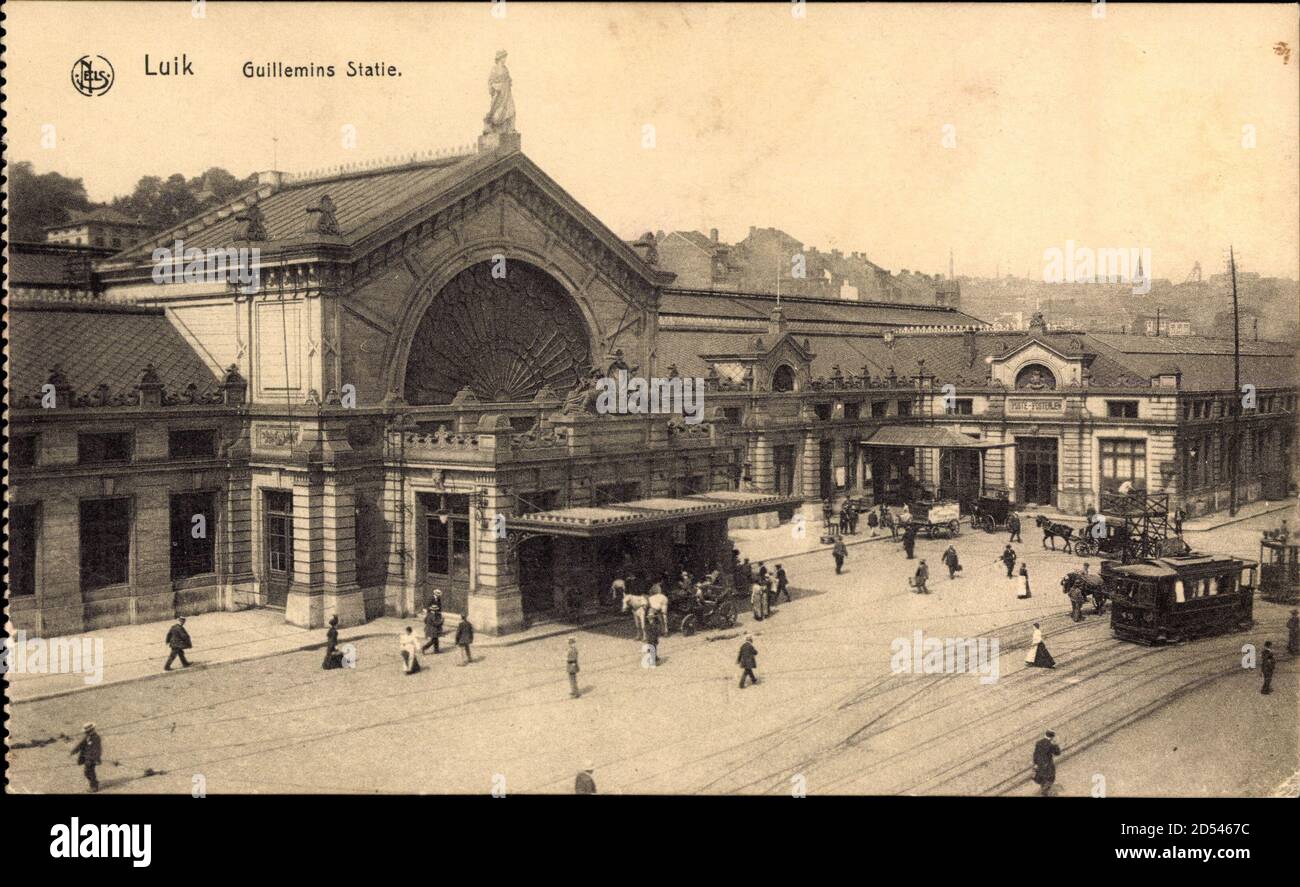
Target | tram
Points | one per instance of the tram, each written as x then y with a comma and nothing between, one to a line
1173,599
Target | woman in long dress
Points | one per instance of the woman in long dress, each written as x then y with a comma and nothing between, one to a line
1021,583
1037,655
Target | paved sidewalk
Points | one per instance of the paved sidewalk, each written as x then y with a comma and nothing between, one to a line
1192,525
137,652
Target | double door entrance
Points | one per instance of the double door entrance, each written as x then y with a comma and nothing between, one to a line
1036,470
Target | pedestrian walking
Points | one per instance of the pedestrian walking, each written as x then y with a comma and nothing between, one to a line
909,541
1038,656
572,662
1045,752
409,645
464,638
756,595
951,562
748,661
921,577
651,648
432,628
783,584
178,641
1022,583
1292,632
333,658
839,552
89,751
1013,524
1266,665
1008,557
585,784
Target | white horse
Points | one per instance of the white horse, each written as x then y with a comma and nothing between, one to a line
659,609
638,604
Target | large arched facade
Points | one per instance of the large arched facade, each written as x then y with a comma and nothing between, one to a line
503,329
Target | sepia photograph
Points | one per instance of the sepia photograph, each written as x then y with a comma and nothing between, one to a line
516,398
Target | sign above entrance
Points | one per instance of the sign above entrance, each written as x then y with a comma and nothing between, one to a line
1035,406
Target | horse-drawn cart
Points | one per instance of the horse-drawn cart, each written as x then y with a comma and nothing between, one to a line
936,519
1091,584
990,513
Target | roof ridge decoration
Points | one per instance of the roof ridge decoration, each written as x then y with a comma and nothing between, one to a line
254,228
321,218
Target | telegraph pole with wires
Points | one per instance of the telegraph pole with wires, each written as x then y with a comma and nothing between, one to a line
1234,456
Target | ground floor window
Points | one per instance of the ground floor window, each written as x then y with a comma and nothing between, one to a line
1123,460
105,542
279,530
24,527
193,528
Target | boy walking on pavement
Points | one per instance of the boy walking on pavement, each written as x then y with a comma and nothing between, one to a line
178,641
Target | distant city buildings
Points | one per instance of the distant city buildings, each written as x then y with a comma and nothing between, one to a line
103,227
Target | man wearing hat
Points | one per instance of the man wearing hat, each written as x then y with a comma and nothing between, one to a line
748,661
89,752
1045,752
178,641
433,623
584,784
573,668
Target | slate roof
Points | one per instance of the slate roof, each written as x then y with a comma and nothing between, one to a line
49,265
758,306
99,344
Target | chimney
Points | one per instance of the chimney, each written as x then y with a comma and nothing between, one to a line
713,234
272,177
968,342
776,325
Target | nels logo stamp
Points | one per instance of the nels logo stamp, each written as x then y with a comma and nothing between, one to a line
92,75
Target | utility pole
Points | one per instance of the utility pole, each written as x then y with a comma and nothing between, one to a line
1233,454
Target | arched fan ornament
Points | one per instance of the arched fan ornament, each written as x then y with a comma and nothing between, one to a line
504,338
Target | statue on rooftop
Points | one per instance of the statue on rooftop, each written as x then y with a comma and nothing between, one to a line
501,116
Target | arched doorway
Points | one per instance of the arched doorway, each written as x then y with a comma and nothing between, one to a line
503,337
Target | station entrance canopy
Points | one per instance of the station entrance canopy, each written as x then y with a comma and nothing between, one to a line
934,436
649,514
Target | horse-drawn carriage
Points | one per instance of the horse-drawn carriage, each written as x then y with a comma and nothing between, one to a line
709,606
990,513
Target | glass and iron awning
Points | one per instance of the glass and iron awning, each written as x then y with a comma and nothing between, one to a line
649,514
936,436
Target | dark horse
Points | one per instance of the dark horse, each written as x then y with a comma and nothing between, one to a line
1090,584
1053,530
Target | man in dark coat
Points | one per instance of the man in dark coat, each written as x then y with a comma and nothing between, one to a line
909,541
1292,631
464,638
783,584
1009,558
1045,752
178,641
1076,601
853,519
922,576
432,628
585,784
951,562
333,658
748,661
572,666
89,751
1266,665
839,552
1013,524
651,647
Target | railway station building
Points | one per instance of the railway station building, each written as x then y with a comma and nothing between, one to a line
405,401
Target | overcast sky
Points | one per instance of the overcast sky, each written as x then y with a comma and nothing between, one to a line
1122,131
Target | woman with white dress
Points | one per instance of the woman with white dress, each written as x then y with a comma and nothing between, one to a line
1037,655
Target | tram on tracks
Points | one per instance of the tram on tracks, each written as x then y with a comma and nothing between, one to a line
1174,599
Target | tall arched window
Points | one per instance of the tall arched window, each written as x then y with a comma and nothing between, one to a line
783,378
1035,376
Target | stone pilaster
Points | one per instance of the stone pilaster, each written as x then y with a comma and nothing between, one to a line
495,600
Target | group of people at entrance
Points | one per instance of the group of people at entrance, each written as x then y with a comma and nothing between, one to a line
765,588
